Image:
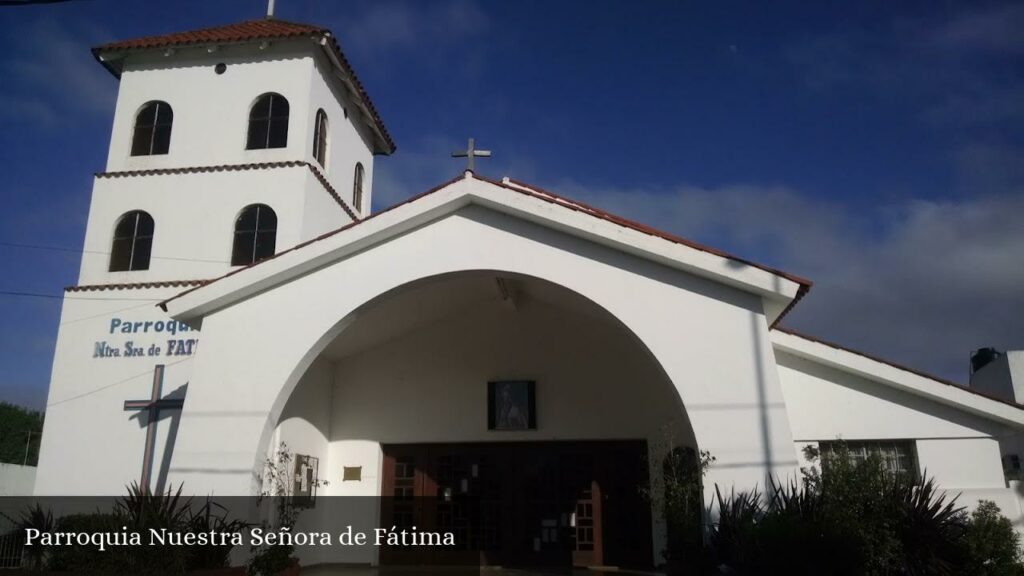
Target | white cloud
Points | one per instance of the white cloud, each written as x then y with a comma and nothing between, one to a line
18,109
957,67
51,73
386,26
919,282
988,29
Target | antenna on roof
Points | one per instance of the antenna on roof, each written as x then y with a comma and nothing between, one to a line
270,8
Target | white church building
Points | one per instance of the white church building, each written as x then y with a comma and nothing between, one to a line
483,337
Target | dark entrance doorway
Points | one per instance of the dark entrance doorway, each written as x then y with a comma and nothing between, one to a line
521,503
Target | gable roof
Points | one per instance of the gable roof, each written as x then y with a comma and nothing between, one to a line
896,376
510,197
247,32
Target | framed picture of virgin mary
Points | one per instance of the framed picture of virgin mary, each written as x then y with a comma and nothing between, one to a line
511,405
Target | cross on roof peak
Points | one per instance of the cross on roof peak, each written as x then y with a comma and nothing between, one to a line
470,153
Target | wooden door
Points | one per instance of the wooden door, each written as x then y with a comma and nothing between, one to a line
588,541
520,503
404,483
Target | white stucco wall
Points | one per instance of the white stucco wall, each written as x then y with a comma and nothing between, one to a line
211,111
17,480
345,146
194,218
430,385
593,382
90,445
826,403
961,451
711,340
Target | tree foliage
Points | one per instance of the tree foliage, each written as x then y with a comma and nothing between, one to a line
993,546
16,425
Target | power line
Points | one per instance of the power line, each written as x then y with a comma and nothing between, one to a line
100,252
31,2
112,384
107,313
55,297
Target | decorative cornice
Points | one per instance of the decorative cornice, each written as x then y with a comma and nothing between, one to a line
330,190
135,285
239,168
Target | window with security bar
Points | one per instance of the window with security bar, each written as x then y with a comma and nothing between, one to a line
897,456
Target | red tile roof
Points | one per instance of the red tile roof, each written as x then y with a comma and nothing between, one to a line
267,29
248,31
135,285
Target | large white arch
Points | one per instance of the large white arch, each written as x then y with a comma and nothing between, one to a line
710,339
351,322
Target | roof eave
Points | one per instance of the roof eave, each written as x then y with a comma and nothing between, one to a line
898,377
108,63
384,144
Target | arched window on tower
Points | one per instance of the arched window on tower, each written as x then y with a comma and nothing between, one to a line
268,122
357,188
152,133
133,242
320,138
255,235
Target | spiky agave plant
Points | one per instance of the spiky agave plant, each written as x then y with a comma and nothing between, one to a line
798,536
42,520
212,517
734,536
930,527
143,509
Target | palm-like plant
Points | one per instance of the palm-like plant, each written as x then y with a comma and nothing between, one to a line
42,520
734,537
211,517
143,509
930,527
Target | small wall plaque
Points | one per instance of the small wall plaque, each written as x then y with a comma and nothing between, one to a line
351,473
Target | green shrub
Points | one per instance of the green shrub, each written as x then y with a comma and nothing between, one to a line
138,512
992,545
85,559
33,518
859,519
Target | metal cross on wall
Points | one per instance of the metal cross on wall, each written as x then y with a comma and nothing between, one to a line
470,153
153,405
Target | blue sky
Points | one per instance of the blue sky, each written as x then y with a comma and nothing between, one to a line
874,147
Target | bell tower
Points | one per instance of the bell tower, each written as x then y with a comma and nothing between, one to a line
229,144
